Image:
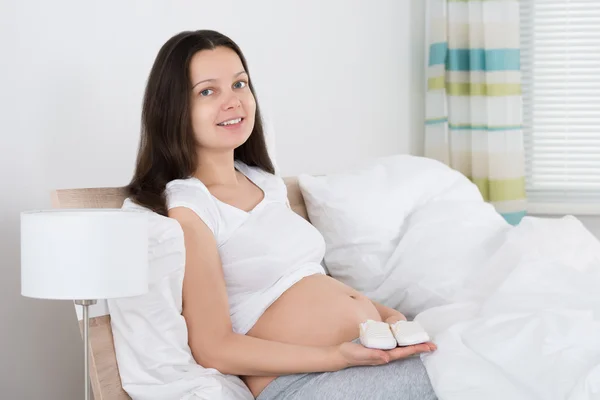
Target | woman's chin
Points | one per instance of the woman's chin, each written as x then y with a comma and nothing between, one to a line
233,141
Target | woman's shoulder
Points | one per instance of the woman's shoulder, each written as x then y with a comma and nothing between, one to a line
191,188
193,194
190,182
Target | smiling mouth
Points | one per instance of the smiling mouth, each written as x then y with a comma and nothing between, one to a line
230,122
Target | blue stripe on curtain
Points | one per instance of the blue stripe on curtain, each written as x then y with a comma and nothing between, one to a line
467,127
485,128
474,59
437,53
436,121
515,217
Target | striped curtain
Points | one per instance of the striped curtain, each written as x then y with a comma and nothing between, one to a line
473,101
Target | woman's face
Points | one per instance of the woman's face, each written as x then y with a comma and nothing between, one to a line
222,105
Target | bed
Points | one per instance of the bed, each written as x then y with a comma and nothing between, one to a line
514,310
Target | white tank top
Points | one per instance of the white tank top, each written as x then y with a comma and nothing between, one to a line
263,252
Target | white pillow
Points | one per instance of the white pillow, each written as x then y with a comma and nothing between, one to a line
361,213
150,334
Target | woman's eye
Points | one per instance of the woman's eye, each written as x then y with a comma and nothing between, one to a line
206,92
239,85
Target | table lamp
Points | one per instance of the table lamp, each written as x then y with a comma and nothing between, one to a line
84,255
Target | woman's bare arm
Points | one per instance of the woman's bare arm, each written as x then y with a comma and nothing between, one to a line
206,311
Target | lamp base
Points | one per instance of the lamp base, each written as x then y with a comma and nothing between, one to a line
86,324
85,302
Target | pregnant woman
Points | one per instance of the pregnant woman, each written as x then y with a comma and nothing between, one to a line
256,300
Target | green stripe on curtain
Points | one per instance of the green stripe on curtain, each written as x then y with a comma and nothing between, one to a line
474,89
439,82
501,189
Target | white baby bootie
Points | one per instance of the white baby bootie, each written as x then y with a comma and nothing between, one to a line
377,335
408,333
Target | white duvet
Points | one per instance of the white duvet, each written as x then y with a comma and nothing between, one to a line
515,311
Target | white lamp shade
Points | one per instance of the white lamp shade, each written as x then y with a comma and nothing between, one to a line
84,254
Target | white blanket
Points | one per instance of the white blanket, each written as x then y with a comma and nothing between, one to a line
515,312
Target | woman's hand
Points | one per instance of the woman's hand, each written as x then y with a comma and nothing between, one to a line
355,354
395,318
388,314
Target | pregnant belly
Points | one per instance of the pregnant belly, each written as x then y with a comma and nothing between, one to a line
316,311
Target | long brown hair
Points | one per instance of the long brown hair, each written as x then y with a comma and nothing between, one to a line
168,146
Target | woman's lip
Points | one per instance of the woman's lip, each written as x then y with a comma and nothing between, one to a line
233,126
231,119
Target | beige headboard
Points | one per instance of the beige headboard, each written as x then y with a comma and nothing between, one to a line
104,374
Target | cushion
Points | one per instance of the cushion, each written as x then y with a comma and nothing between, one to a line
362,212
150,334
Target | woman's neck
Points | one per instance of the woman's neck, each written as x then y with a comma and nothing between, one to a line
216,169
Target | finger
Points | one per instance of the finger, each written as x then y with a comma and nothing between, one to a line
378,357
369,356
432,346
383,357
423,347
407,351
395,318
400,352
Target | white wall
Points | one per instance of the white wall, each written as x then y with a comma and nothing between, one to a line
342,80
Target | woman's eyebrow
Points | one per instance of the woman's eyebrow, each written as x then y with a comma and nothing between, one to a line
212,80
206,80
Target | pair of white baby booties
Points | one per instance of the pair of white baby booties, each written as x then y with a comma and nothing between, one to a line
384,336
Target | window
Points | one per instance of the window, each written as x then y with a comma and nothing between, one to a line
560,62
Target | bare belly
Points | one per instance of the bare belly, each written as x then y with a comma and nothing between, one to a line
316,311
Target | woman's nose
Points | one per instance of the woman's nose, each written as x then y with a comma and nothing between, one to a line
231,102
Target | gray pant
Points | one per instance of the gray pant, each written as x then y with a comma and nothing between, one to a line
404,379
